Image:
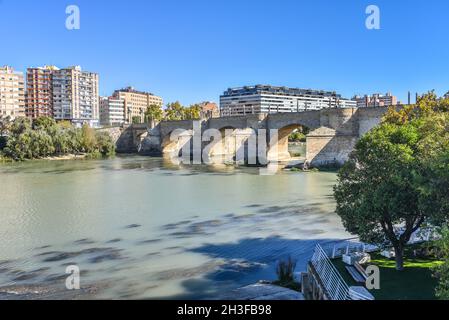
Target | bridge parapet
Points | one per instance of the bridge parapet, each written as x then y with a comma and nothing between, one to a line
166,127
309,119
254,121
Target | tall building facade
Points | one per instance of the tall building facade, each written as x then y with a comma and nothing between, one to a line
270,99
136,103
12,93
75,96
112,111
39,92
376,100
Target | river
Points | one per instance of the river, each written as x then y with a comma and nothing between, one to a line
139,227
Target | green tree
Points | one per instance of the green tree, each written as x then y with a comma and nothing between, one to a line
105,145
20,125
441,272
193,112
393,179
75,140
44,123
136,120
5,123
88,138
41,144
299,135
17,147
427,105
65,125
174,111
62,142
44,137
154,113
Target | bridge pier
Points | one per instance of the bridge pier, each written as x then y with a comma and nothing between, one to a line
324,147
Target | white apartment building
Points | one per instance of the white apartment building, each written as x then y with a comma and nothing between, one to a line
136,103
75,96
376,100
112,111
270,99
12,93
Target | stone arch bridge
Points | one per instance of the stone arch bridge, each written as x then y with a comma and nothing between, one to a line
332,136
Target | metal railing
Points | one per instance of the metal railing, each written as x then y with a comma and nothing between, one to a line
348,246
336,287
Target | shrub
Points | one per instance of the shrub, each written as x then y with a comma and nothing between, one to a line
285,270
297,137
285,273
295,154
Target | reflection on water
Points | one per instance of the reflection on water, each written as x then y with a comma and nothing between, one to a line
140,227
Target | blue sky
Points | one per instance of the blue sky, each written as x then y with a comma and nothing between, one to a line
193,50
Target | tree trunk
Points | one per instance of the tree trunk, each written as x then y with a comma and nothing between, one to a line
399,257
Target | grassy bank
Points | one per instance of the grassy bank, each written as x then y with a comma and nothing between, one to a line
415,282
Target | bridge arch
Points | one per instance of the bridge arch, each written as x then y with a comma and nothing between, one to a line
221,143
279,142
309,119
281,125
175,141
176,136
139,133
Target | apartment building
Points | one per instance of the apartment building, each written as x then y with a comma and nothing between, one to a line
376,100
75,96
209,110
112,111
136,103
12,93
271,99
39,92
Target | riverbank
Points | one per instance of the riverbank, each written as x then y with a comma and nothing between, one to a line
67,157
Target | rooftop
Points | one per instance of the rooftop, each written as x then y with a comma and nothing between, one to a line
10,70
132,90
268,89
53,68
